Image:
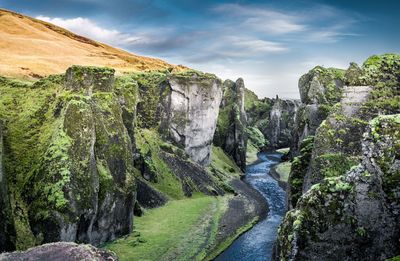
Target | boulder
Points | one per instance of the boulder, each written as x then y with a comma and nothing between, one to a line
61,251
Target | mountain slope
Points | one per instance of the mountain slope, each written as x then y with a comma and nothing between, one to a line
34,48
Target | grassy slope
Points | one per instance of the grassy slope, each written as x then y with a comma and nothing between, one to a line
182,228
283,169
33,48
251,153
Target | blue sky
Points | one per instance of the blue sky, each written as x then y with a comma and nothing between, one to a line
268,43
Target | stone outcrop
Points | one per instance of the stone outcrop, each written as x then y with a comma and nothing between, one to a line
192,108
92,200
344,185
355,216
62,251
275,118
281,123
231,127
319,89
75,179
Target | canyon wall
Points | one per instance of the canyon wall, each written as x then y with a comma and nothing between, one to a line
231,127
344,184
93,147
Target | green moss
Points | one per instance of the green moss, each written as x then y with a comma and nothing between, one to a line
151,92
148,143
29,112
385,131
251,152
223,164
299,169
256,137
283,169
250,98
383,73
334,165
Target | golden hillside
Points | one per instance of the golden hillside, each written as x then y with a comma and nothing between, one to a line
33,48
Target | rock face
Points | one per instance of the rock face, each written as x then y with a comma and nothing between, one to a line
75,178
344,185
351,217
62,251
231,128
192,108
281,123
96,162
320,88
6,222
275,118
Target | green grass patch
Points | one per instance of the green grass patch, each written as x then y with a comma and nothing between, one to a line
180,230
251,153
223,163
149,145
283,169
283,150
224,245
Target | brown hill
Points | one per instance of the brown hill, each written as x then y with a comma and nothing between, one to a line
33,48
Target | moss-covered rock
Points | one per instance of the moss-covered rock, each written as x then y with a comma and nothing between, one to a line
349,208
353,216
7,231
298,171
231,133
75,180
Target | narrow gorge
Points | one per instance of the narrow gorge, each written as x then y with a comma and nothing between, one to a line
136,159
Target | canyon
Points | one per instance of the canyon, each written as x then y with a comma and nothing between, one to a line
149,162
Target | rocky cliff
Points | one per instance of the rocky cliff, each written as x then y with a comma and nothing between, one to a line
6,221
281,123
319,89
344,185
274,118
192,111
93,147
231,127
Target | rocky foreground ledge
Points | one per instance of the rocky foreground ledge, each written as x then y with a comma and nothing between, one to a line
60,251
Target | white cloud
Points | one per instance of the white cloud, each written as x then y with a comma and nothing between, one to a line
90,29
263,19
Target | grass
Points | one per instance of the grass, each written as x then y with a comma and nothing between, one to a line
283,150
283,169
223,163
224,245
251,153
180,230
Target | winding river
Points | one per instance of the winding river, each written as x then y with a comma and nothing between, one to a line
256,244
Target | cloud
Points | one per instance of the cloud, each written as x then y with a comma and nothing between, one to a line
89,28
270,48
262,19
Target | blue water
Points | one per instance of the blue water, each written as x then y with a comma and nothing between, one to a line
256,244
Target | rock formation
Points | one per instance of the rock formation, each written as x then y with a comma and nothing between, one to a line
62,251
274,118
319,89
281,123
344,186
231,128
6,222
192,112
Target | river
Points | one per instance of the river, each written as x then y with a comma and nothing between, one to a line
256,244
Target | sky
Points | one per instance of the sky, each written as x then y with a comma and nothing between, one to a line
270,44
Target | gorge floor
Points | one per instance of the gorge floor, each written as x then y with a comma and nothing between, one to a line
257,243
